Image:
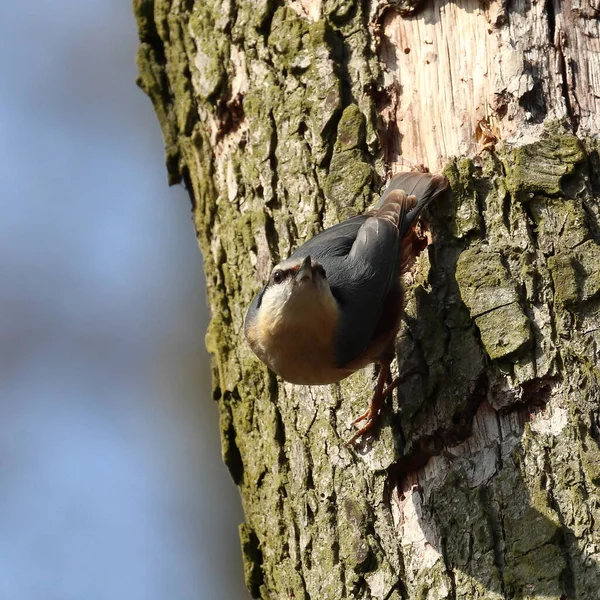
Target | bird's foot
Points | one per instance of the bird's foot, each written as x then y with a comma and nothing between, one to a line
368,415
364,429
371,415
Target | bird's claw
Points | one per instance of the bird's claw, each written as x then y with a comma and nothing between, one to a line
371,415
368,415
364,429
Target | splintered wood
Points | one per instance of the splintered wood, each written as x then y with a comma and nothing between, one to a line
462,75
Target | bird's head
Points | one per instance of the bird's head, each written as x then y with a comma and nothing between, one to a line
296,284
296,294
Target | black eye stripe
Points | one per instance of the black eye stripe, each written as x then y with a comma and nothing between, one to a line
280,275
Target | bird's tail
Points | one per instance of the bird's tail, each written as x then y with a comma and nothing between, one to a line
426,187
407,195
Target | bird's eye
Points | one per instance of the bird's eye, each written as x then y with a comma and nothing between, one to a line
277,277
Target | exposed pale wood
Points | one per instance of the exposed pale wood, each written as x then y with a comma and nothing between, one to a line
310,9
459,68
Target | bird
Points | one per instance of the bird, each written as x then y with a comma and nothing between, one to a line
335,305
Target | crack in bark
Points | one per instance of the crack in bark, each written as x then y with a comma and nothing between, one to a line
567,576
497,530
567,88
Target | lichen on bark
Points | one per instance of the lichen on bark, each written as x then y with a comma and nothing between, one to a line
482,480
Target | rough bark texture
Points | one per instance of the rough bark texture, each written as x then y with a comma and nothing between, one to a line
283,117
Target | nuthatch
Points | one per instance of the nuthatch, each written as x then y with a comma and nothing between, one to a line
334,306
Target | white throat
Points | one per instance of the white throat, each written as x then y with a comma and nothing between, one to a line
296,330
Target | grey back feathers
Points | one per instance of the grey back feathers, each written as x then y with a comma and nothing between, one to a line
372,267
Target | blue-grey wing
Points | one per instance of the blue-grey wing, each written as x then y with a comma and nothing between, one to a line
333,242
361,282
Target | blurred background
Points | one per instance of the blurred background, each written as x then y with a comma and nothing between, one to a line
111,480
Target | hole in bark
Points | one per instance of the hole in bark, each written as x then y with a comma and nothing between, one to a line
280,431
500,104
594,171
533,100
254,557
232,456
310,484
595,427
551,20
272,237
335,551
406,50
536,392
307,555
230,113
261,479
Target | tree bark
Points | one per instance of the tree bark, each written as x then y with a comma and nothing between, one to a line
284,117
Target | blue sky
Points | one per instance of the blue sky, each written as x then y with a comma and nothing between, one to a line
111,481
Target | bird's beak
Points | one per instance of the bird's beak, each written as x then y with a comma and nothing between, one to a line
305,270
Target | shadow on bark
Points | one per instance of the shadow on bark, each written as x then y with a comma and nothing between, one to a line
498,466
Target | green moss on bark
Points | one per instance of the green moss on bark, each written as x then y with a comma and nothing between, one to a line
463,208
541,167
576,274
296,150
504,331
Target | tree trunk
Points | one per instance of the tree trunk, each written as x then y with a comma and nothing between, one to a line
283,117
